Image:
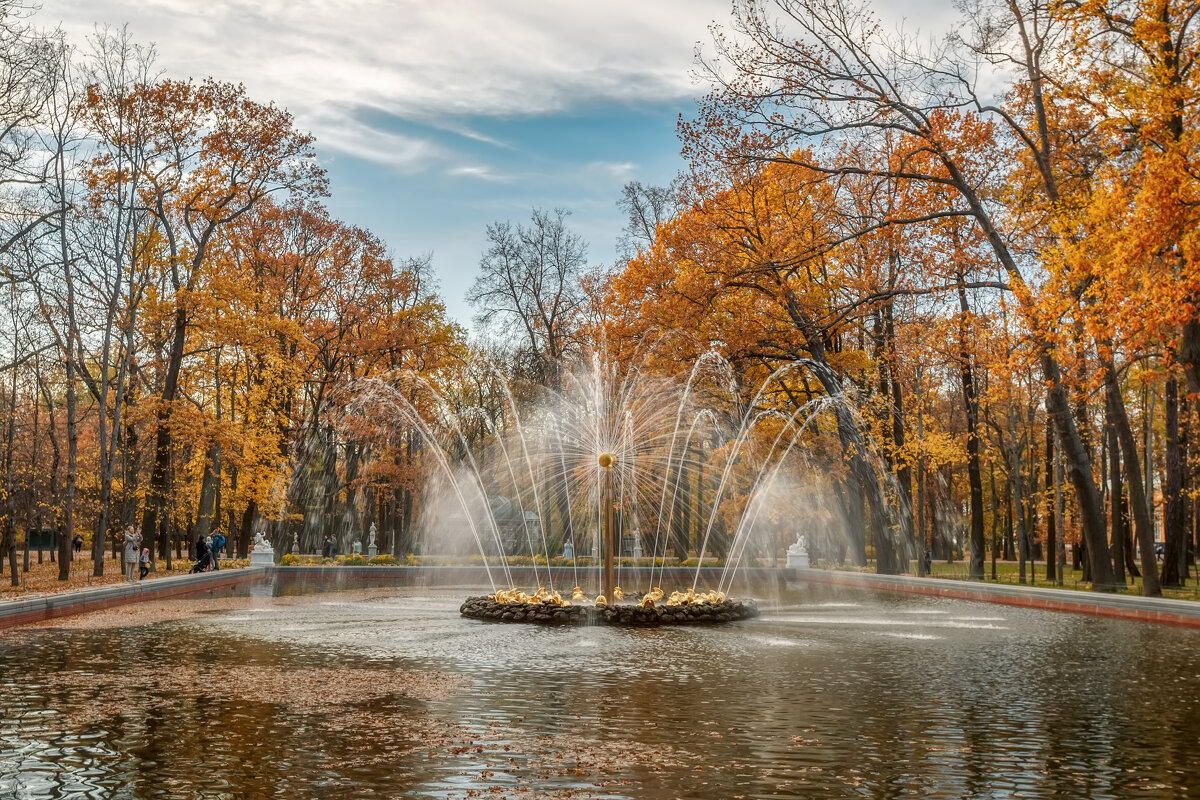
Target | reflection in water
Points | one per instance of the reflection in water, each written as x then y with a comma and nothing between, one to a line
824,696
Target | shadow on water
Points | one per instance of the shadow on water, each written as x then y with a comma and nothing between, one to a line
828,694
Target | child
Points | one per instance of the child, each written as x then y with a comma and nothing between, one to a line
145,565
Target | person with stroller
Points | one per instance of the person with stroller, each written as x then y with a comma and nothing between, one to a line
203,555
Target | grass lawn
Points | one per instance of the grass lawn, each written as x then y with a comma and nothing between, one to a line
42,579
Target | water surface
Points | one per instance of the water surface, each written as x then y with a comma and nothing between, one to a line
828,694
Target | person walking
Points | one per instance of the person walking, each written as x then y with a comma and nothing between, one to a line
218,544
144,567
133,548
77,542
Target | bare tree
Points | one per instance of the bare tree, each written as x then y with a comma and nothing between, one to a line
114,263
529,290
646,207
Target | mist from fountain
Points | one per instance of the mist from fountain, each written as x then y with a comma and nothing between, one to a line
698,470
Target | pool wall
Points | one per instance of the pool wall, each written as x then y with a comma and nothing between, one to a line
761,582
38,609
1118,606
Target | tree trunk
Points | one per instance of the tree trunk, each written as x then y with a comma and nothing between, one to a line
1189,353
1137,496
1017,481
922,541
1010,550
245,533
1115,502
1127,537
995,517
67,531
900,463
1173,517
160,476
1051,520
1058,514
10,510
1009,523
971,404
55,449
1185,438
852,510
208,489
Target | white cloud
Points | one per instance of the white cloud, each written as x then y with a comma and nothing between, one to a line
617,170
431,62
419,60
482,173
345,134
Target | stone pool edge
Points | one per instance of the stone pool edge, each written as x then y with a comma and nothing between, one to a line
1142,609
1184,613
66,604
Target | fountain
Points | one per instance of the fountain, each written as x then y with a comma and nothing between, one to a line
682,608
635,478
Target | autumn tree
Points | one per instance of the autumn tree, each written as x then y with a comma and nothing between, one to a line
756,267
820,73
212,155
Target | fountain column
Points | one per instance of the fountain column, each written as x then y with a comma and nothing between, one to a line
607,523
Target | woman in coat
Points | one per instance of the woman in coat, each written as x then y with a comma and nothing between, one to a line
133,549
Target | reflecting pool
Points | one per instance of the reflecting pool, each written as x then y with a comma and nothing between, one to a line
827,694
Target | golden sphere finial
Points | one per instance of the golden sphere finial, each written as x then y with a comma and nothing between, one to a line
606,460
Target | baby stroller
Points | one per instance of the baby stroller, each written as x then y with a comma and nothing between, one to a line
203,558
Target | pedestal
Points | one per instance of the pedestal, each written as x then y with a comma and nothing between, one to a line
262,558
372,551
797,559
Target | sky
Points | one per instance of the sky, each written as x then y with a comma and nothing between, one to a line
435,118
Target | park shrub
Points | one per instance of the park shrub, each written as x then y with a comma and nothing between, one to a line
389,560
709,561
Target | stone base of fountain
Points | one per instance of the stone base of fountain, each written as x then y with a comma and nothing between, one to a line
620,614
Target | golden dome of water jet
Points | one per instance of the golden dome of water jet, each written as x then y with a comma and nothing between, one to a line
606,460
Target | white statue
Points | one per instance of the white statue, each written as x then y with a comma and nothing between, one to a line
371,542
263,554
797,553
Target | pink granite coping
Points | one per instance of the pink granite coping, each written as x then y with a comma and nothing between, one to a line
1116,606
38,609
